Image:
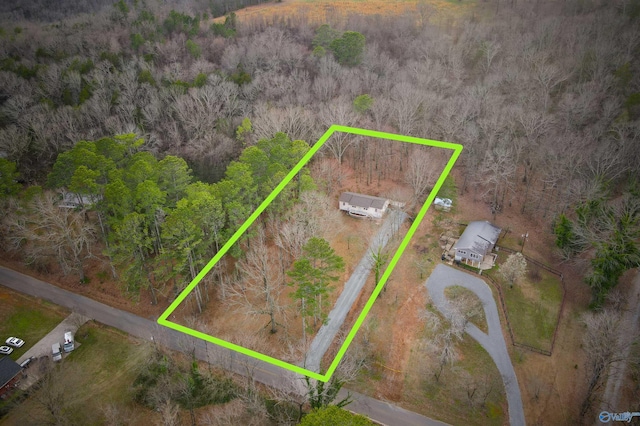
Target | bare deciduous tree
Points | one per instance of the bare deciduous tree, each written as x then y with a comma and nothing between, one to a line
48,231
422,172
263,283
57,396
602,348
339,111
463,307
498,169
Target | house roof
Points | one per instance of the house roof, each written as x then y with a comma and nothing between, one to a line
71,200
8,370
361,200
477,236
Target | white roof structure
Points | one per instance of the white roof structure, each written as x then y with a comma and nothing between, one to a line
361,200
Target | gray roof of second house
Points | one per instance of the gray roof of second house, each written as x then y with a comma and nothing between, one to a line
8,370
477,236
361,200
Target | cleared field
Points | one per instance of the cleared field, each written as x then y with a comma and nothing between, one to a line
320,11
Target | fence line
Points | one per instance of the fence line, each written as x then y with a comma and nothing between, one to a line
504,306
532,260
562,286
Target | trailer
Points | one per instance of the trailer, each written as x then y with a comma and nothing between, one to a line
57,353
69,343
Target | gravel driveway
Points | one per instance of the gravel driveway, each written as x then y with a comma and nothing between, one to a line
350,293
443,277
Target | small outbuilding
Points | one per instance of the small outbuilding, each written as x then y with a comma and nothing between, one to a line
476,242
361,205
72,200
9,370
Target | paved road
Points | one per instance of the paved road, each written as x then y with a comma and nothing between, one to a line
443,277
350,293
268,374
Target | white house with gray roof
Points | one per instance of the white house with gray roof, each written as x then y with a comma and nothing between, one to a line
361,205
478,240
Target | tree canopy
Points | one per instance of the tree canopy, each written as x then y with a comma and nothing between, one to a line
332,415
349,48
312,276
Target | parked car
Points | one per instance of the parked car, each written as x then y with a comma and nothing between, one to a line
26,362
5,350
15,342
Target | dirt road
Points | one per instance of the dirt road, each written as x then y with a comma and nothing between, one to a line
143,328
443,277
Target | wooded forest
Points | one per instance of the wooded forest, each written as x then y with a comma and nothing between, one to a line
544,96
136,137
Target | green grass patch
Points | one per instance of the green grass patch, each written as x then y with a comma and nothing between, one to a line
449,190
511,241
110,359
27,318
533,305
97,374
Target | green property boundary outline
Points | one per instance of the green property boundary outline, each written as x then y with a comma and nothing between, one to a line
162,320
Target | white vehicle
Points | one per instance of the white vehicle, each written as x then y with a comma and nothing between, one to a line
443,202
69,343
57,353
15,342
5,350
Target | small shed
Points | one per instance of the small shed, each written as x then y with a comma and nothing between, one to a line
477,241
361,205
9,370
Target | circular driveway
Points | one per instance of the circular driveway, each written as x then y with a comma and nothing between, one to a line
444,276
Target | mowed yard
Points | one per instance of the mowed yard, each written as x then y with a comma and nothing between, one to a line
92,385
533,304
90,382
26,317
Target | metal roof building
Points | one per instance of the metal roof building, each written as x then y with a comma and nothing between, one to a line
477,240
363,205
